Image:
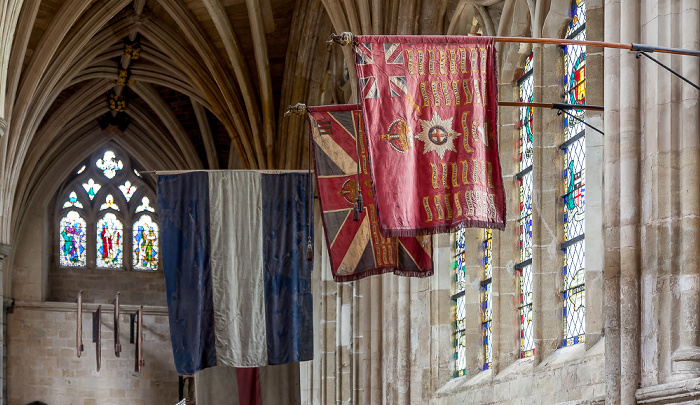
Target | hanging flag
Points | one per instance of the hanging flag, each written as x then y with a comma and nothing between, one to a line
357,249
234,255
429,105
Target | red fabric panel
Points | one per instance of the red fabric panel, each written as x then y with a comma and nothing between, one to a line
248,386
430,106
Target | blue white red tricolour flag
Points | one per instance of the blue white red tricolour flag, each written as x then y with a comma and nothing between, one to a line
237,280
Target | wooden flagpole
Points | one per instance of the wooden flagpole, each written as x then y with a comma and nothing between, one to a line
79,328
557,106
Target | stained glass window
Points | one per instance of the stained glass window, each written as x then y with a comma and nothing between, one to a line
109,241
109,203
459,303
72,242
145,206
128,190
136,172
109,164
91,188
486,302
574,147
145,244
82,169
72,201
524,267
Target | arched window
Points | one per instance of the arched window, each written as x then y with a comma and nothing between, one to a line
574,147
486,301
524,176
107,202
458,299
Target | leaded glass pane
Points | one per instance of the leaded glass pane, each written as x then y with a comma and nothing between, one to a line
128,190
145,206
574,312
91,188
72,242
72,201
527,341
109,164
82,169
109,241
109,203
145,244
460,303
486,301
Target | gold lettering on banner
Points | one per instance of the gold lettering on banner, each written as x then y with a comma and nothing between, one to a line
453,61
425,94
470,203
477,91
492,207
465,173
444,175
409,57
455,90
442,62
375,233
475,172
428,211
438,207
473,54
433,167
455,182
458,207
483,208
421,62
447,206
431,61
384,256
467,93
489,175
484,92
483,172
446,92
463,60
436,94
465,130
483,61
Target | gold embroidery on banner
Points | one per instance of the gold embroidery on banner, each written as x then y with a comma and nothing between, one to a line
463,60
447,207
470,203
475,172
465,173
425,94
433,167
477,91
483,61
442,62
390,258
489,175
431,61
421,61
409,57
438,207
483,172
428,212
492,208
455,182
473,55
458,207
444,175
455,90
453,61
465,138
467,93
483,91
384,261
446,92
436,93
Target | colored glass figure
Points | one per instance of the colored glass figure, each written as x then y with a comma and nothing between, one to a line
460,305
109,203
109,241
486,293
82,169
145,206
72,243
109,164
526,88
72,201
145,244
574,311
91,188
128,190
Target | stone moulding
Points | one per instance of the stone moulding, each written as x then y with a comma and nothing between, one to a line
679,392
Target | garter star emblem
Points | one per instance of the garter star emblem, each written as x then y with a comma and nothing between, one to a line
399,136
438,136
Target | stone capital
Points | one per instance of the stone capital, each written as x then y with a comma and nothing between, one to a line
4,251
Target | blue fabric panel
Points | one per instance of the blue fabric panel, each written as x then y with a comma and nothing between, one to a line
288,300
183,210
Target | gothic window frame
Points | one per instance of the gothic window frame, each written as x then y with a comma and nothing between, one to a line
458,300
91,211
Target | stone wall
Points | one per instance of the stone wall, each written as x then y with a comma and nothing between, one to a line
42,364
99,286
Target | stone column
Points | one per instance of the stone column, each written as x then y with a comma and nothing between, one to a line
4,252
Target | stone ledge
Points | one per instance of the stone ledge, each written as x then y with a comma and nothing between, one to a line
71,307
679,392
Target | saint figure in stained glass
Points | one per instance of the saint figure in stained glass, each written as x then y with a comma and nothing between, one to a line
72,242
145,244
109,241
109,164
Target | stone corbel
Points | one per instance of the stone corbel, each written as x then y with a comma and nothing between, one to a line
3,125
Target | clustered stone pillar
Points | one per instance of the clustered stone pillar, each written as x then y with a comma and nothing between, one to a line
4,252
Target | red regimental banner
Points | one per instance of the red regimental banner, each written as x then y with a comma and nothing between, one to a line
357,249
430,105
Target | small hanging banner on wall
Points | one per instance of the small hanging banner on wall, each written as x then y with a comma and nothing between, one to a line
430,104
356,247
97,335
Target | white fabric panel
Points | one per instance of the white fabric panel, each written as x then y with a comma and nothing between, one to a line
238,285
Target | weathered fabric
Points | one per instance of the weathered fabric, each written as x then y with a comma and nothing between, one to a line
430,105
237,280
357,249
